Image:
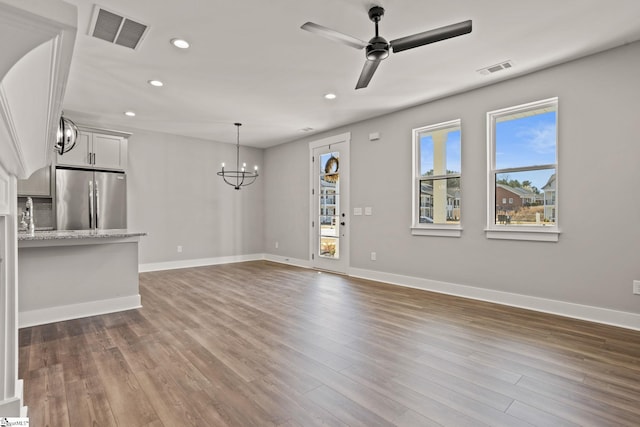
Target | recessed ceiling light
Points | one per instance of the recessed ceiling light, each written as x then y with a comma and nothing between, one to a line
129,113
156,83
330,96
180,43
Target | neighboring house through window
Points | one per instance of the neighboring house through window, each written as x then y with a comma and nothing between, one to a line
522,163
436,184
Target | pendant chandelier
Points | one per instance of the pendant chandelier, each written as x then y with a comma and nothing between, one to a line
240,177
66,136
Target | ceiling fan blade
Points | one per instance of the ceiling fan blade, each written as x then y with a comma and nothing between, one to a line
367,72
334,35
431,36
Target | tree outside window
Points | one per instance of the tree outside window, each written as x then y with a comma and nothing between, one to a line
523,166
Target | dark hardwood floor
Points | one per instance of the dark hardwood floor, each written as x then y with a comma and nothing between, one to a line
259,344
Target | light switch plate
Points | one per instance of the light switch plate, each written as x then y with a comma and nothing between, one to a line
357,211
368,210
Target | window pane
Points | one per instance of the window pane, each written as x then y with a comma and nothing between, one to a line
329,205
439,201
440,151
329,247
329,163
526,198
526,139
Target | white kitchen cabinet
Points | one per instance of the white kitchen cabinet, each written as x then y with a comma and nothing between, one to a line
38,184
102,150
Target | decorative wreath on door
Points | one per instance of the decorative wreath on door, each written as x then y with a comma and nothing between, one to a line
331,169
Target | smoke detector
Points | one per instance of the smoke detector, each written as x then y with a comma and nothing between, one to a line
495,68
116,28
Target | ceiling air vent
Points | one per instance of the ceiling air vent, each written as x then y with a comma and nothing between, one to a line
115,28
495,68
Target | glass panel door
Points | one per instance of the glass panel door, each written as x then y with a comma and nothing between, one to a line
329,205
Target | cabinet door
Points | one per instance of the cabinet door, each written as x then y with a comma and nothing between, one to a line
38,184
78,155
109,151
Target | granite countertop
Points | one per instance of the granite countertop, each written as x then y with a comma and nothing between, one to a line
77,234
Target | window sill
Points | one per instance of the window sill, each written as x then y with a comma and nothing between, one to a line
521,233
443,231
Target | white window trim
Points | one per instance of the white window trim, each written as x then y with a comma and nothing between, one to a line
539,233
417,228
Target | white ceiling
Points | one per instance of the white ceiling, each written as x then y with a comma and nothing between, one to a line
250,62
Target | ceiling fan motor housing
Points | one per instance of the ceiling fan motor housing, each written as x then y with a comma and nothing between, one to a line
377,49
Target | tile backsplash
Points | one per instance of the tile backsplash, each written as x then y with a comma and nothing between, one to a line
43,212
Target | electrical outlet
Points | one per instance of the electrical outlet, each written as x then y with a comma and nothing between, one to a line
179,248
373,256
636,287
277,244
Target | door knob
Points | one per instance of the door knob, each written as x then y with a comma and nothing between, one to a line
342,223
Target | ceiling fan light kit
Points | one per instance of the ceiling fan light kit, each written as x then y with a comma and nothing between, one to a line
378,48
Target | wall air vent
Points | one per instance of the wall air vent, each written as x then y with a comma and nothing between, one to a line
117,29
495,68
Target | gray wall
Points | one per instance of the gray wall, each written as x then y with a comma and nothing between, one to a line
596,258
287,200
176,197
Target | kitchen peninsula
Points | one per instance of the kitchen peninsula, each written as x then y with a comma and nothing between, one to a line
71,274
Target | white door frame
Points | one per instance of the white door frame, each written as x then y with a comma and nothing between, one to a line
342,266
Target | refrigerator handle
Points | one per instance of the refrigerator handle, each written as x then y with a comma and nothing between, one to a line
90,204
97,206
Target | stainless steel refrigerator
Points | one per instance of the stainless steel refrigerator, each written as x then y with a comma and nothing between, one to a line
90,200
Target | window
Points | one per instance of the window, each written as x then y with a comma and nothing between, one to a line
436,183
523,167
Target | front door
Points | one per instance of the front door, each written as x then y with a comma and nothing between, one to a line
330,212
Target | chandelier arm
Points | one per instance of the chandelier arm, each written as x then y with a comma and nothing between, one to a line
242,181
225,180
253,178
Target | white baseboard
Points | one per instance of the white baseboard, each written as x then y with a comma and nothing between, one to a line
77,311
288,260
11,407
577,311
24,410
200,262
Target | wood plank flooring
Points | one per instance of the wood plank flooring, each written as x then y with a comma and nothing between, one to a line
263,344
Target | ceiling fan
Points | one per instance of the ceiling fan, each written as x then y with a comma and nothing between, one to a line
377,48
